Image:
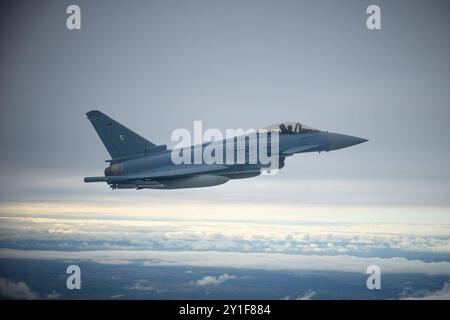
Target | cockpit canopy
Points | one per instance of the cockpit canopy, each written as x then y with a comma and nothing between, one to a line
290,127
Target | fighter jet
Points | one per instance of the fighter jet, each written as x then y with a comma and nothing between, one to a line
137,163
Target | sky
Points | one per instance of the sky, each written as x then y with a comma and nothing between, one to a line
156,66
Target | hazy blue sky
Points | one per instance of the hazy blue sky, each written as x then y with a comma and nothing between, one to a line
160,65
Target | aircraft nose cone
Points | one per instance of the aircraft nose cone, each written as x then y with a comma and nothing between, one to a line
339,141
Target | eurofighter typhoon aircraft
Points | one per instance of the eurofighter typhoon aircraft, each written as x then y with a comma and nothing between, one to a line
137,163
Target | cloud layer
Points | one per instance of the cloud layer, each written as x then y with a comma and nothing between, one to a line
301,231
263,261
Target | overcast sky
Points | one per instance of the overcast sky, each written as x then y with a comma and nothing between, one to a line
159,65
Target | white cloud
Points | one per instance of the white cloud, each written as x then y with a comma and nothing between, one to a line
308,295
300,235
442,294
16,290
262,261
113,262
141,285
211,280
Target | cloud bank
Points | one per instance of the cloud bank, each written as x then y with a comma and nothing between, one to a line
305,232
211,280
442,294
261,261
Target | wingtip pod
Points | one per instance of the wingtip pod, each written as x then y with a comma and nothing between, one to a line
94,179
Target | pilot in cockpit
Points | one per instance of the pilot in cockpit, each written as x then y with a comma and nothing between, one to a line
289,127
286,129
293,127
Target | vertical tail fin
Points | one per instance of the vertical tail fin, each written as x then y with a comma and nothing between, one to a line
118,140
